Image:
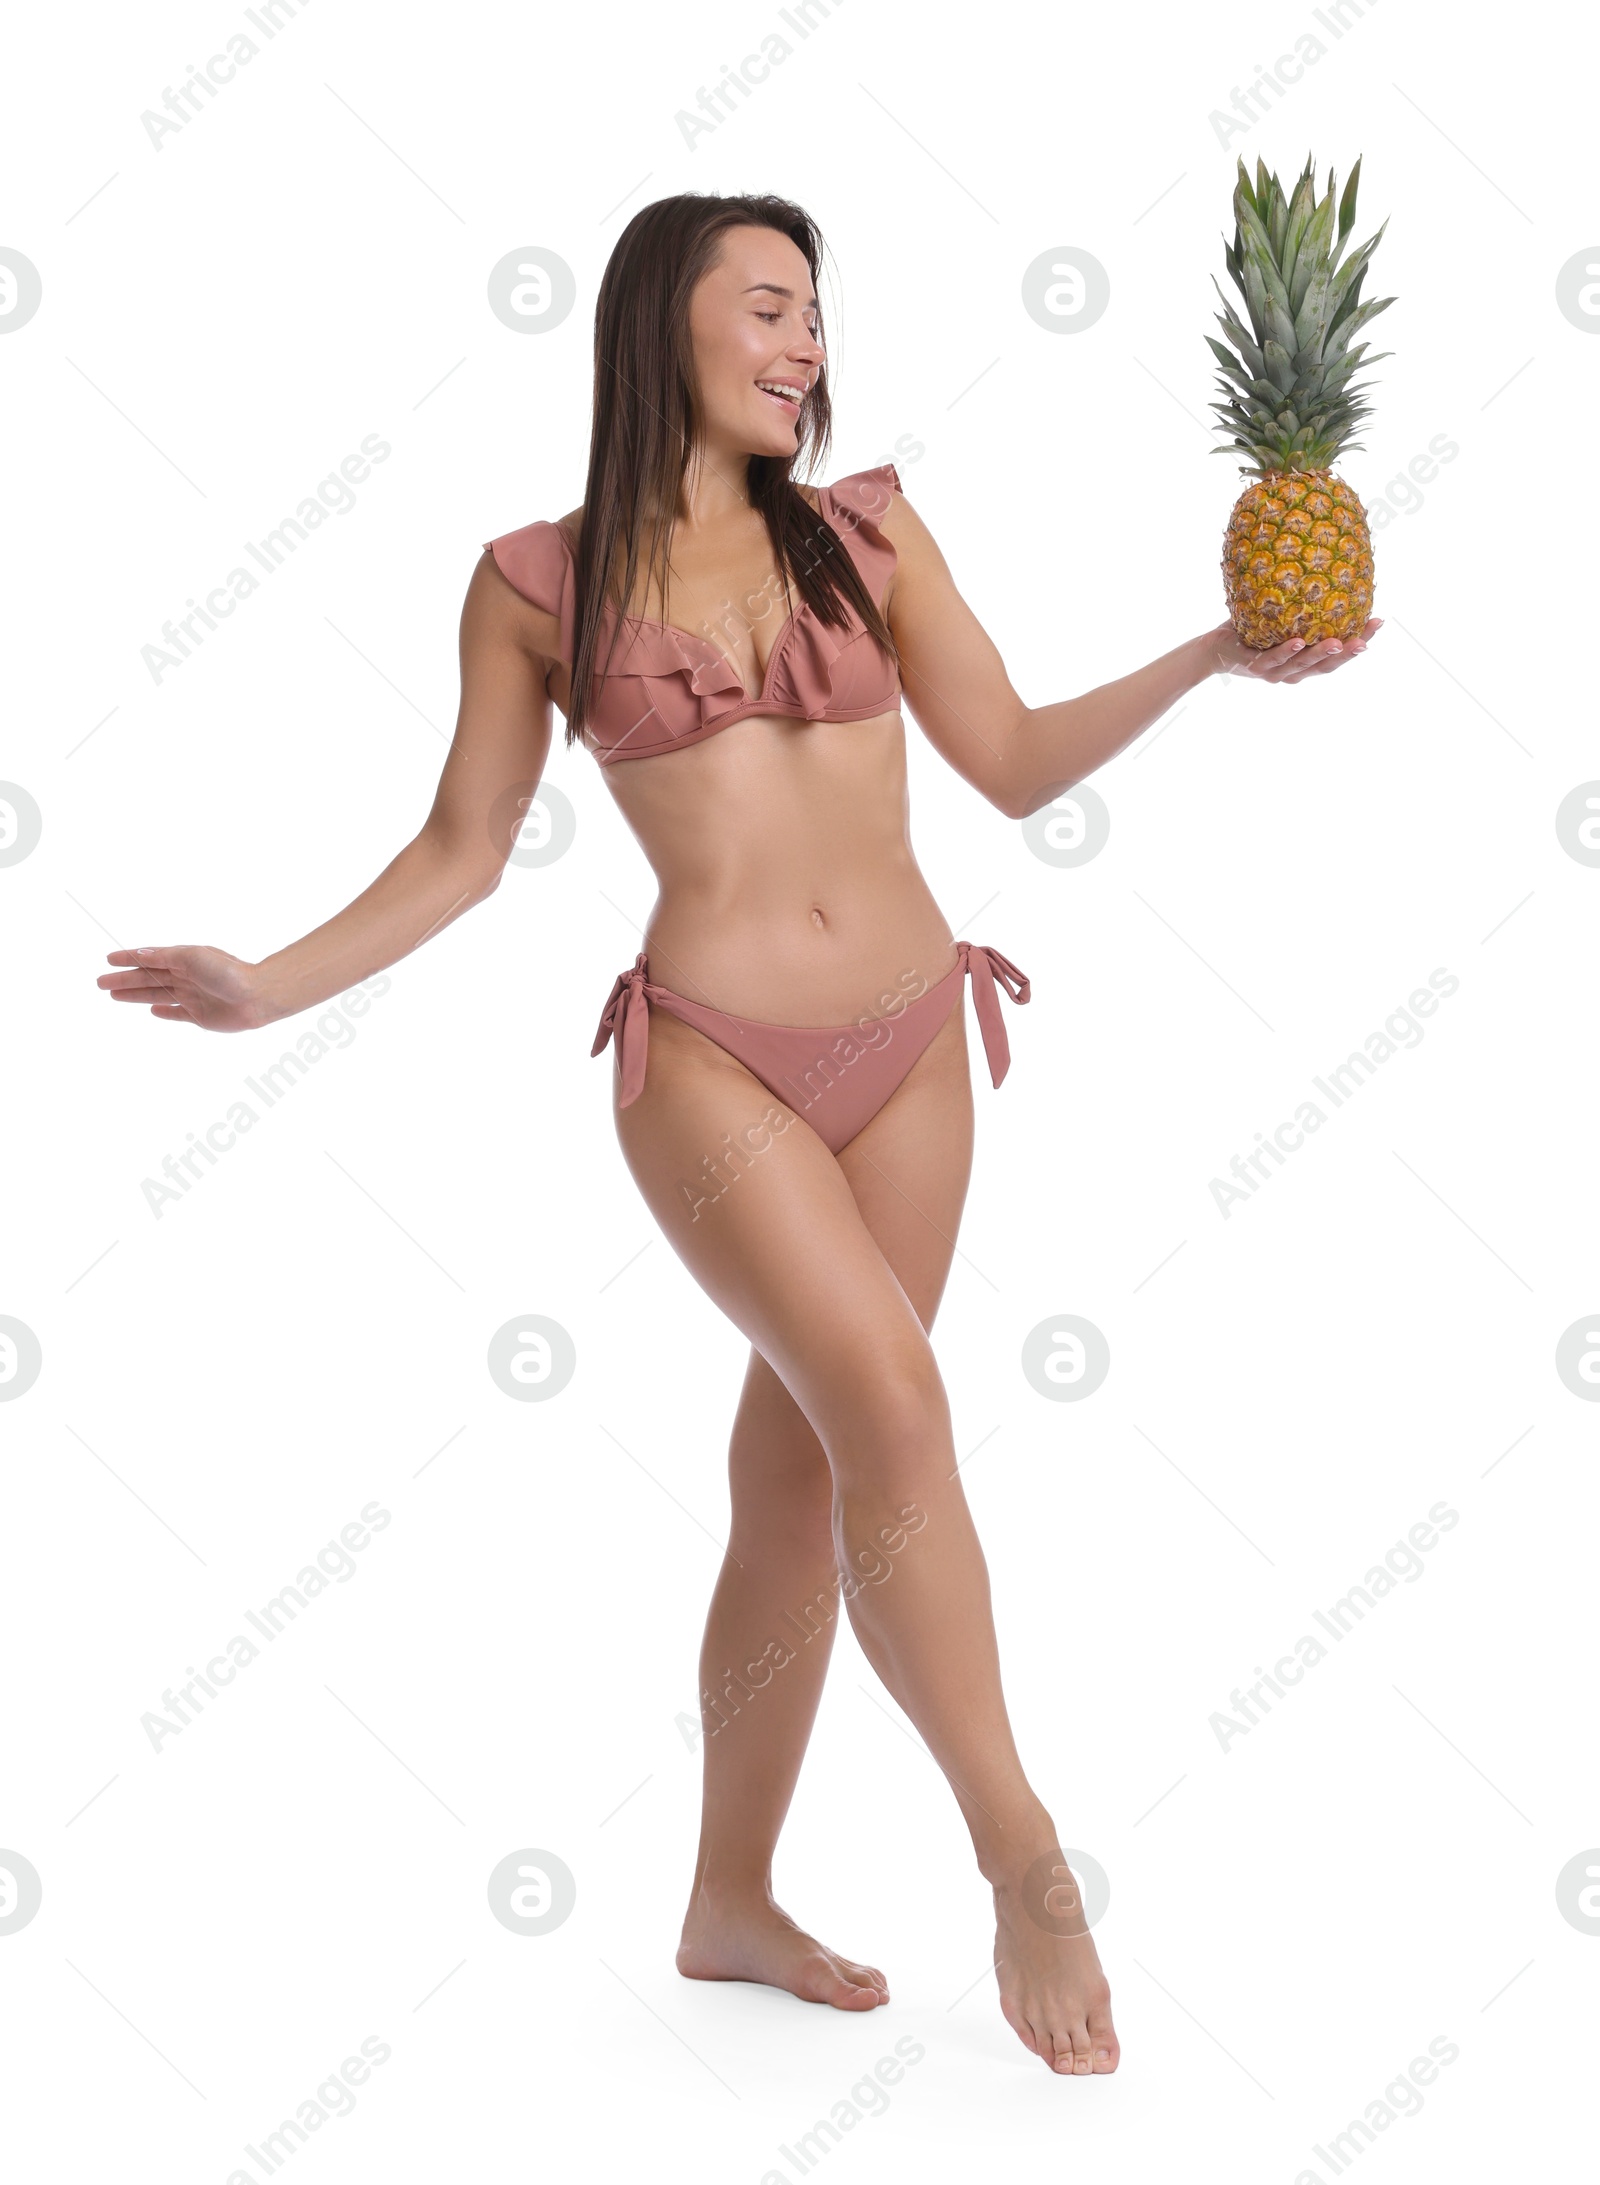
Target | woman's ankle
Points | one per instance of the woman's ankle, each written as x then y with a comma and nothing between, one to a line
1007,1845
731,1882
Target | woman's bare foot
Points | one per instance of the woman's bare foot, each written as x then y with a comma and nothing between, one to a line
750,1938
1053,1994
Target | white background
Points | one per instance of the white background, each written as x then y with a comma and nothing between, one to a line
1291,1388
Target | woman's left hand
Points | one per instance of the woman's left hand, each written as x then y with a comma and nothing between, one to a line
1289,662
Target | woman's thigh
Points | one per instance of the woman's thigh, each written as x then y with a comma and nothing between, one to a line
832,1267
908,1170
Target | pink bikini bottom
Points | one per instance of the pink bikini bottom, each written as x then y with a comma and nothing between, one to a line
837,1076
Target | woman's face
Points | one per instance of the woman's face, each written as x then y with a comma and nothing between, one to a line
752,318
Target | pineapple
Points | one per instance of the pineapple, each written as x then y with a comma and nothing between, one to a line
1297,558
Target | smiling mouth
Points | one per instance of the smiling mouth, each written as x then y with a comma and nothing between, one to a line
787,398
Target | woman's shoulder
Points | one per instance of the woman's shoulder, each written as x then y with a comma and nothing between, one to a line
862,509
867,493
536,561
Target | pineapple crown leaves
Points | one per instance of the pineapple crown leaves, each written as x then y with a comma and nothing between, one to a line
1289,402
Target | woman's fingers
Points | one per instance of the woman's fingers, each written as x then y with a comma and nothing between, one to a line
1308,664
1271,666
112,979
1294,658
151,975
151,983
1300,656
136,985
1288,662
1314,660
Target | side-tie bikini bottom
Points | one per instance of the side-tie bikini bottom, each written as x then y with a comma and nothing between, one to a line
837,1076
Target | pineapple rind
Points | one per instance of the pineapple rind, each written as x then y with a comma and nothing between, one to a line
1297,559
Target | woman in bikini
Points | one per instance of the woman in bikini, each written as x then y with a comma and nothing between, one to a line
791,1082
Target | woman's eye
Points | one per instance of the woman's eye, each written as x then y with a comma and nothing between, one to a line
777,315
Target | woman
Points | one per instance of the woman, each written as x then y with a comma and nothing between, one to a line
791,1084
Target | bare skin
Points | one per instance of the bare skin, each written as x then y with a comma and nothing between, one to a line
800,903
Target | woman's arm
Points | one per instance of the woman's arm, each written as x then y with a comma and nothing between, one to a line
501,742
1022,757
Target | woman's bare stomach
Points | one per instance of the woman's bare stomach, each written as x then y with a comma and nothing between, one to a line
788,888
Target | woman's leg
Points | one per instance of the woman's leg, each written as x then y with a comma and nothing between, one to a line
759,1700
781,1577
786,1252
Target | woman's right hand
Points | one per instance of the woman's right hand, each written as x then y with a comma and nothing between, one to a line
189,985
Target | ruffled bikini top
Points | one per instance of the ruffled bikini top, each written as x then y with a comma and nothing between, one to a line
666,687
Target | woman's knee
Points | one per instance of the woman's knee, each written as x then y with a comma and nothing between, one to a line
778,1473
781,1487
890,1433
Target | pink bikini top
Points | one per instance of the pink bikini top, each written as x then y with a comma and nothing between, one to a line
667,688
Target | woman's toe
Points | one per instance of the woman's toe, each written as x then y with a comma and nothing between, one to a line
1023,2030
1103,2040
1073,2048
843,1986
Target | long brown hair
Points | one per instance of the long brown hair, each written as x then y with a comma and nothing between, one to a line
647,421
